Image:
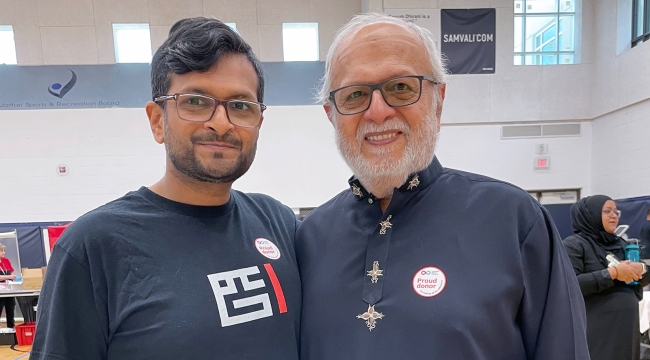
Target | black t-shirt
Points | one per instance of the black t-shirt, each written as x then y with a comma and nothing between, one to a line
144,277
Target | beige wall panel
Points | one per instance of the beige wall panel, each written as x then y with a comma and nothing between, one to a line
464,89
28,44
168,12
121,11
158,36
503,4
515,95
464,4
105,43
270,47
242,13
18,12
69,45
505,29
410,4
250,34
66,13
278,11
569,100
331,16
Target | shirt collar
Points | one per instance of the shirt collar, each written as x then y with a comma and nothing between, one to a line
415,182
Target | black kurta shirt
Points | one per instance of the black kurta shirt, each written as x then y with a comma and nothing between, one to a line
471,268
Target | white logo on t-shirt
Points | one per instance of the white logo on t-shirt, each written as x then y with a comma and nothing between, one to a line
228,277
230,288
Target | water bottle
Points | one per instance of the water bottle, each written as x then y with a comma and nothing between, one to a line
633,253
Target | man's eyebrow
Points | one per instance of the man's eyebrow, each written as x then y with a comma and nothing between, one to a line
202,91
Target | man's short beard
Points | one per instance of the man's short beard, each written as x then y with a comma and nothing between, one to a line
383,176
186,162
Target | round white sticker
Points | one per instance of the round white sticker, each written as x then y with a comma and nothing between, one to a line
267,248
429,281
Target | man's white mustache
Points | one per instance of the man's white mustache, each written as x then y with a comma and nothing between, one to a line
372,127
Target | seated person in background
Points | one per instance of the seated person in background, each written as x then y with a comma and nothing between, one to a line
187,268
612,304
7,273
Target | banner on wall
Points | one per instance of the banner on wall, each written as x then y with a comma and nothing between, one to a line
128,85
426,18
468,40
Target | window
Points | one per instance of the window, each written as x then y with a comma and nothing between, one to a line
300,41
233,26
544,32
640,21
7,45
132,43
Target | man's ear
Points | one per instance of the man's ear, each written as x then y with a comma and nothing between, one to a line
328,110
156,116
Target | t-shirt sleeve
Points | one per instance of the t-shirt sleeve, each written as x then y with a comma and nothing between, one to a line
69,324
552,313
9,267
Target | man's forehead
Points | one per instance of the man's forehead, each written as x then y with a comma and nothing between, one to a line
375,33
374,45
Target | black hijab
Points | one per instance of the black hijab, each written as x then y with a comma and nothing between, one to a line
587,222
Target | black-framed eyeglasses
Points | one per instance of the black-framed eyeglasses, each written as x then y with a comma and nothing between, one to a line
397,92
201,108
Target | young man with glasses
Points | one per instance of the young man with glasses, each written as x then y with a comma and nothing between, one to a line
187,268
416,261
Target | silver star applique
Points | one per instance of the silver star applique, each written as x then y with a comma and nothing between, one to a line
385,225
375,272
371,316
413,183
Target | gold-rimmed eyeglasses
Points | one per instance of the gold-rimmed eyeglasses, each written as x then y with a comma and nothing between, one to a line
201,108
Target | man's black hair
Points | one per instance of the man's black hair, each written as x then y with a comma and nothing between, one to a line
196,44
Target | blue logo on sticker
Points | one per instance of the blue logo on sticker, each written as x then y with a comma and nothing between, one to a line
59,90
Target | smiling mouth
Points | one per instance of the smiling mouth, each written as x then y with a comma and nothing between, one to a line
382,136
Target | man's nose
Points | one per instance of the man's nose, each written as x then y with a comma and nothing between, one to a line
378,111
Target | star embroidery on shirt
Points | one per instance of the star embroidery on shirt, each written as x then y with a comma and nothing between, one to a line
371,316
385,225
375,272
356,191
413,183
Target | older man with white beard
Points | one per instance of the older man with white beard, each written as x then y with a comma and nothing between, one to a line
416,261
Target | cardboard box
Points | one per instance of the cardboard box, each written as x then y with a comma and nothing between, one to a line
33,278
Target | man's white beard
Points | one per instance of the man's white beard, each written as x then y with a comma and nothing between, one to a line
382,176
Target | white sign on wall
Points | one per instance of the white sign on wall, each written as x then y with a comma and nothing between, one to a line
427,18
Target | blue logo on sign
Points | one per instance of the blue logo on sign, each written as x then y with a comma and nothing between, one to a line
59,90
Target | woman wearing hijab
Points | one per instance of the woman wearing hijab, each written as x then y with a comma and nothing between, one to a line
612,304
